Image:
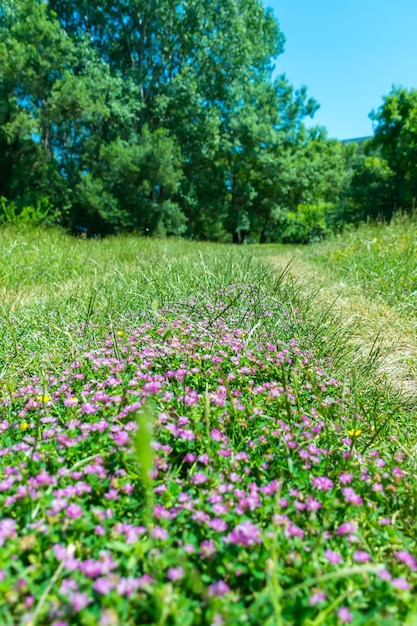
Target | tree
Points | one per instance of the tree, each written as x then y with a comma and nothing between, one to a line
395,142
371,190
156,115
63,114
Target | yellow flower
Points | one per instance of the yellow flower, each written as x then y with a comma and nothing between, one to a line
24,425
120,333
354,432
43,398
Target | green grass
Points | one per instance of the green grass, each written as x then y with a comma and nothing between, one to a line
379,258
282,486
50,282
370,276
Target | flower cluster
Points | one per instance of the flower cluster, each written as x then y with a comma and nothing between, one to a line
253,471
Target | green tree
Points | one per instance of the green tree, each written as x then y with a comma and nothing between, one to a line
62,110
132,187
395,143
33,53
203,72
156,115
371,190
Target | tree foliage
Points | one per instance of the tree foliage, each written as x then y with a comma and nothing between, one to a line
157,116
384,174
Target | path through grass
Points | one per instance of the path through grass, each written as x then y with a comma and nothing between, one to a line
369,279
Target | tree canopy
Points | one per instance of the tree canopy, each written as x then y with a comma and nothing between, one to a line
160,116
383,172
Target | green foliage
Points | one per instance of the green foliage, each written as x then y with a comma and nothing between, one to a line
132,186
43,214
396,140
162,118
280,493
308,224
383,176
371,189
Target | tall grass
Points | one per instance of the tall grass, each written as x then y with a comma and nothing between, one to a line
380,258
185,440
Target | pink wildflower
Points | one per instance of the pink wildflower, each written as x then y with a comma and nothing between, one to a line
344,615
245,534
322,482
407,558
175,573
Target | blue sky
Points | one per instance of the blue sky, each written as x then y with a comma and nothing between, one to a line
348,54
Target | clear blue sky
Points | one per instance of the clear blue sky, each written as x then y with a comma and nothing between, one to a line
348,53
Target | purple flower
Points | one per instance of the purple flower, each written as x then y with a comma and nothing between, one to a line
199,479
384,574
68,585
316,598
112,494
344,615
207,549
189,548
66,555
175,573
323,483
345,479
245,534
313,504
219,509
361,557
103,585
92,568
90,409
121,439
74,511
79,600
159,533
333,557
400,583
292,530
220,588
218,524
216,435
346,528
351,497
144,580
407,558
7,529
126,586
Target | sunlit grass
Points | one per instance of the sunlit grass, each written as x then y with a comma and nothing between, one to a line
368,276
379,258
272,484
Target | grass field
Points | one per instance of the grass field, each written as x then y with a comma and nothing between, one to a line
370,275
191,436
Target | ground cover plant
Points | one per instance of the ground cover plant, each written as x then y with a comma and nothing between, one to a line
178,447
380,258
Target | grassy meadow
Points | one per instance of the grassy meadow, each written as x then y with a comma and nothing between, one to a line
188,437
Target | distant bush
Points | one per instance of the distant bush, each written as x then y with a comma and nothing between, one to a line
308,224
43,213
